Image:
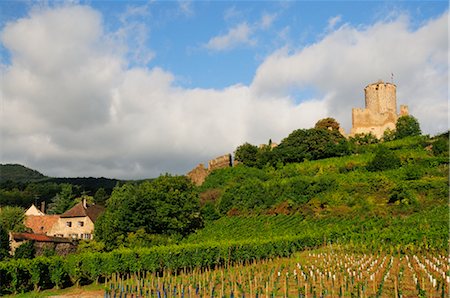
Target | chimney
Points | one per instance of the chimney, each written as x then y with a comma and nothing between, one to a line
83,200
43,206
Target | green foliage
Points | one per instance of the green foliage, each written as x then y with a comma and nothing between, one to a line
101,196
407,126
4,243
11,219
363,139
384,159
388,135
338,185
327,123
167,205
424,230
62,201
246,154
90,246
234,240
440,146
25,251
311,144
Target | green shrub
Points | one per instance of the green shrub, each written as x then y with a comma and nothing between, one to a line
384,159
25,251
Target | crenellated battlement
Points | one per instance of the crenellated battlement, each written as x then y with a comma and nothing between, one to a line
380,112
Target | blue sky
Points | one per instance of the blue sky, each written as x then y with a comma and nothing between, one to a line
168,84
177,32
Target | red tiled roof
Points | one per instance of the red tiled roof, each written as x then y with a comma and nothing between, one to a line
92,211
40,224
39,237
76,211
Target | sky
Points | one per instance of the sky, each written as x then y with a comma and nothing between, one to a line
134,89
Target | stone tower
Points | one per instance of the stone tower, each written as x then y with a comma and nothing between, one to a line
380,112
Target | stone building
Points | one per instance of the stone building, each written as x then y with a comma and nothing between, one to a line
380,113
77,222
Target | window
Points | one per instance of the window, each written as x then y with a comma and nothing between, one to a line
81,223
87,236
68,224
59,235
74,236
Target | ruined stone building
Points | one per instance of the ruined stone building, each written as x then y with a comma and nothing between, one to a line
380,113
199,173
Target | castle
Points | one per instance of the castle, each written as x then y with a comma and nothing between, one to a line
380,113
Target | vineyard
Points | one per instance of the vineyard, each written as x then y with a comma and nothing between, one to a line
419,231
327,272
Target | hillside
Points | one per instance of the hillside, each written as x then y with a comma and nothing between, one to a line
19,173
339,186
339,199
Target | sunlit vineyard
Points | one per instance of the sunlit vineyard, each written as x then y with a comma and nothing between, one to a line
327,272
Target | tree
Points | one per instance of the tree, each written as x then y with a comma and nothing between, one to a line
328,123
62,201
100,196
168,205
11,219
312,144
407,126
246,154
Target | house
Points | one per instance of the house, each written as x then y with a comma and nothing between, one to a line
33,210
77,222
41,224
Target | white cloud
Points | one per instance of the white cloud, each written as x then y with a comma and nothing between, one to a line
332,22
72,105
267,20
186,7
239,35
342,63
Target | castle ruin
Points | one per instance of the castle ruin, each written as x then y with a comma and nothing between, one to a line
380,113
199,173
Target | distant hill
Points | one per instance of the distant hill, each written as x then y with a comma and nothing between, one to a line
19,173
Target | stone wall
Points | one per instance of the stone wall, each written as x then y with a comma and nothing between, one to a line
380,112
199,173
220,162
61,249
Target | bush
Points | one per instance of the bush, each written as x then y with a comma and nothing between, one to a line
384,159
25,251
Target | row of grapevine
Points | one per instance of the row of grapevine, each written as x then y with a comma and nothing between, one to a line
327,273
424,231
42,272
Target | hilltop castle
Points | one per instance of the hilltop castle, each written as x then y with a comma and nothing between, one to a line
379,115
380,112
